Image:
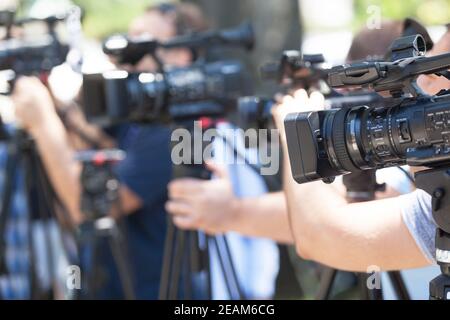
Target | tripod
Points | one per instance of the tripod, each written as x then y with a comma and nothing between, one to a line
100,198
436,182
187,253
361,187
39,196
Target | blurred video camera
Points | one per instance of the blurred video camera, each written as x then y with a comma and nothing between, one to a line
293,71
296,71
177,94
405,126
30,56
128,50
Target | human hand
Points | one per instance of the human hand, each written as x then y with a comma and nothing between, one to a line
298,102
210,206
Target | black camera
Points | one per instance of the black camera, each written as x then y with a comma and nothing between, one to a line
128,50
27,57
170,95
407,127
32,56
100,185
296,71
209,90
293,71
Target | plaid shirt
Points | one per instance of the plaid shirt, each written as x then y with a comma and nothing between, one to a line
16,283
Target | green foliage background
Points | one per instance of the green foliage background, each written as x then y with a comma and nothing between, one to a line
430,12
104,17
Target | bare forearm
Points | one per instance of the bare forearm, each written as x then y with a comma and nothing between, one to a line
349,236
60,164
265,217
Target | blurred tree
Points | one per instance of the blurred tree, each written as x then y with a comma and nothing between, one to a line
430,12
276,23
277,27
104,17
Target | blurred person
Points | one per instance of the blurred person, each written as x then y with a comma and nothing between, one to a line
144,174
353,237
393,234
31,244
264,215
371,44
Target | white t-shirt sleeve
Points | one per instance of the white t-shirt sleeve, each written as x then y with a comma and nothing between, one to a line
417,215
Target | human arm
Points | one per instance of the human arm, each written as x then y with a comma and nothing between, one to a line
213,207
36,111
345,236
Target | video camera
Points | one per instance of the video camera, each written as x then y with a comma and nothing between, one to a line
128,50
31,56
406,127
171,95
296,71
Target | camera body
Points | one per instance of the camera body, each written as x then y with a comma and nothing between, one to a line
296,71
27,57
293,71
100,186
408,127
126,50
326,144
31,56
202,90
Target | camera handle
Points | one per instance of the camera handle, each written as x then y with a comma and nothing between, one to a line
361,187
436,182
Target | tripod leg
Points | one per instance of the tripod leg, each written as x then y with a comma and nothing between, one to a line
167,260
195,252
177,264
118,251
399,285
368,294
207,267
93,278
223,267
326,283
232,267
8,187
188,274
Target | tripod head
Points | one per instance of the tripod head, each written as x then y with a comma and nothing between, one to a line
99,183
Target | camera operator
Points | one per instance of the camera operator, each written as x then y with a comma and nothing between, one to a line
264,216
393,234
144,173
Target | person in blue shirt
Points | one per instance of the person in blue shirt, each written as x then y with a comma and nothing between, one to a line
145,172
